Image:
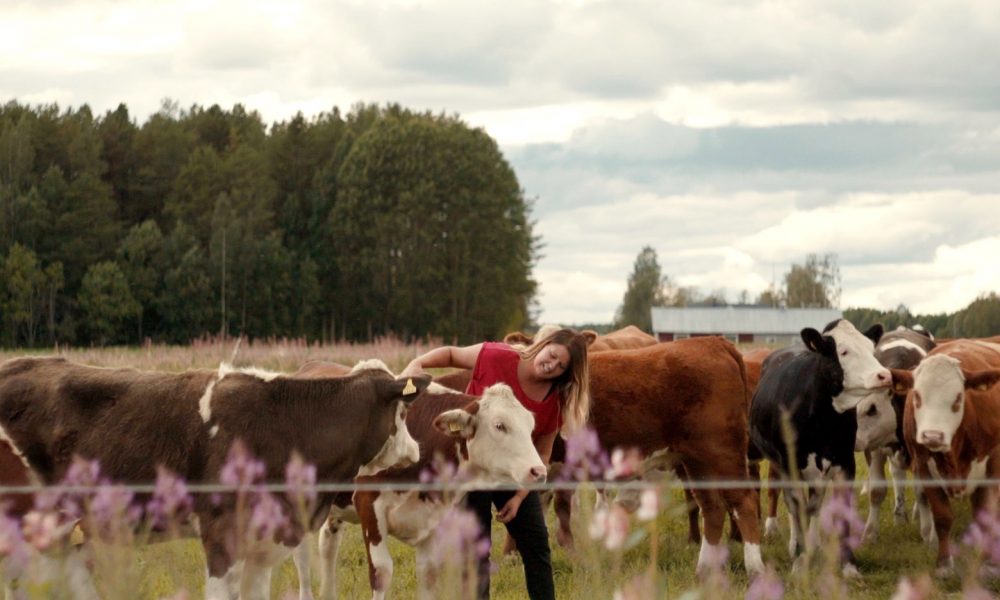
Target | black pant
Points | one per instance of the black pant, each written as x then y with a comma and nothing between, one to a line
529,532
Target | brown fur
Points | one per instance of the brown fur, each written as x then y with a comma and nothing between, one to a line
132,421
977,438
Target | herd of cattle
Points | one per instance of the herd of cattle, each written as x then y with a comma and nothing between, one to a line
696,406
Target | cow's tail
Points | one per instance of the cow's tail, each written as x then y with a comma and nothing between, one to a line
738,357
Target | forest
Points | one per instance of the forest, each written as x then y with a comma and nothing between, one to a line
209,222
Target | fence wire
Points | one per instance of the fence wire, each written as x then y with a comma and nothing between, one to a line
453,486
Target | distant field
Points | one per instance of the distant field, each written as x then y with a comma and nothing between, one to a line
590,573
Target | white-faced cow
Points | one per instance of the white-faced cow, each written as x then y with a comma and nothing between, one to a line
816,391
880,422
131,422
952,428
488,438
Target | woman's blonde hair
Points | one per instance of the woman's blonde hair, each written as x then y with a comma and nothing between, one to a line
574,383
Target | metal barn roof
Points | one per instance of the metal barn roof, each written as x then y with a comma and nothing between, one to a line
741,319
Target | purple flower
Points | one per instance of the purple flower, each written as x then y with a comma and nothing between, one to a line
300,478
839,517
983,536
43,529
766,586
81,473
642,587
910,590
267,518
977,593
457,536
171,500
612,525
585,459
13,548
110,505
241,469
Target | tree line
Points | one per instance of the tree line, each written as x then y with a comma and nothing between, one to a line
206,221
814,283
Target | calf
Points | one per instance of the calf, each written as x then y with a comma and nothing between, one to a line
816,390
880,422
951,426
131,422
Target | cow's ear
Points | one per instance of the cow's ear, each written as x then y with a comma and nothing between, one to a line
517,337
590,335
874,333
902,381
813,339
982,380
409,387
456,423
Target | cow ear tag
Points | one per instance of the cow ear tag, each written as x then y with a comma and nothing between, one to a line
982,387
454,427
409,388
900,388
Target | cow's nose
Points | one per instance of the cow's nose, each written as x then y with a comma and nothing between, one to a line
932,438
538,473
884,378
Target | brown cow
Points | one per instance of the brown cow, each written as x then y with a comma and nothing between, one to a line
952,429
626,338
131,422
687,401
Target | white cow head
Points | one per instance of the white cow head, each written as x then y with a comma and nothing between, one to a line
876,421
937,389
855,353
497,429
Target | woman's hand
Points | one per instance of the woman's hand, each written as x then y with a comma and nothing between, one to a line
412,370
509,510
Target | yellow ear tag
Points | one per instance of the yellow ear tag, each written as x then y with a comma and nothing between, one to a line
900,388
410,388
454,427
982,387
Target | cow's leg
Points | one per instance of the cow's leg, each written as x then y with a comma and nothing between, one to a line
898,472
796,522
714,514
374,528
943,518
562,501
222,580
255,584
329,545
773,493
301,556
876,491
925,519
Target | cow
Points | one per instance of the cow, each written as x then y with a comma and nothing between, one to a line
952,429
487,437
816,391
626,338
880,423
685,404
133,422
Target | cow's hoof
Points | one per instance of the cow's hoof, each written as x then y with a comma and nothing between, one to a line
945,568
800,564
771,527
565,539
850,571
870,533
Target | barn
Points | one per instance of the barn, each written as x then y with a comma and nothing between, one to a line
739,324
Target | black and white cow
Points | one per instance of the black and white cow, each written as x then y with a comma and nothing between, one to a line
818,390
880,422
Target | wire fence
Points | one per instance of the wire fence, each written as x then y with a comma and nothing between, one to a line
453,486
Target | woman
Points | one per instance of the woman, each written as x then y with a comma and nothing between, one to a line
551,379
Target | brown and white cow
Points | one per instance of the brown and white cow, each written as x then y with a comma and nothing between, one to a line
131,422
880,423
626,338
952,428
488,438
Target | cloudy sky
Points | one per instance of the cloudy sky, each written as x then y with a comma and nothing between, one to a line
734,137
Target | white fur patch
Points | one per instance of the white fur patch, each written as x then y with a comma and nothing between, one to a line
902,344
226,368
205,404
371,364
214,431
437,388
752,560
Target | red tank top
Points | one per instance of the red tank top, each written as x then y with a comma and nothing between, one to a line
497,363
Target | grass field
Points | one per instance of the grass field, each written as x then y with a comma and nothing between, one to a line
591,572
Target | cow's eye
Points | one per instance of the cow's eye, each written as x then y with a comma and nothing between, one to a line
957,405
872,411
843,352
501,428
917,400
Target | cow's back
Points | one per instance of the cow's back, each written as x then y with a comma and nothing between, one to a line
52,409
